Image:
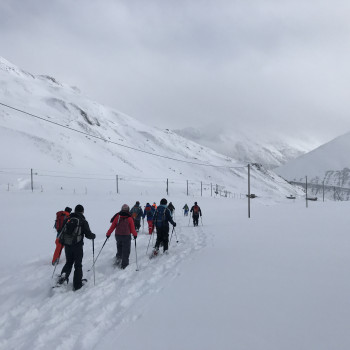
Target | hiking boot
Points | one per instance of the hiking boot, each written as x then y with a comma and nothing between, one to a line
83,282
62,279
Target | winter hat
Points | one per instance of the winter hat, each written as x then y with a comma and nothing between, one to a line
137,203
79,209
163,201
195,203
125,207
68,210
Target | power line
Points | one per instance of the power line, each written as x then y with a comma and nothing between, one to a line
116,143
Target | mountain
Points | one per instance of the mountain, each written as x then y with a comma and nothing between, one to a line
270,149
66,135
327,165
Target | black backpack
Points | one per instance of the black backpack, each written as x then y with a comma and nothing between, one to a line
71,232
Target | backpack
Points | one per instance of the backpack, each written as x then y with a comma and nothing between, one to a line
60,216
159,216
71,232
196,210
123,227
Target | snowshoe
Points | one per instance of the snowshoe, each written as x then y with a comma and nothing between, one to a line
154,253
83,282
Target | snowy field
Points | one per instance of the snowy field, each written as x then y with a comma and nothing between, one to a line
279,280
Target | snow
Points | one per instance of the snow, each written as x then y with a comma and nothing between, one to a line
275,281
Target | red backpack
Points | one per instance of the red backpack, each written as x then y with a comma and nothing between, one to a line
60,216
123,226
196,209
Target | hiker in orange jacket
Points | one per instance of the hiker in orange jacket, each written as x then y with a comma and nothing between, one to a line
61,216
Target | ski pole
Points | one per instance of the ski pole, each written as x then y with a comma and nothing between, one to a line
93,265
201,220
189,219
137,266
171,235
57,261
177,241
93,257
149,241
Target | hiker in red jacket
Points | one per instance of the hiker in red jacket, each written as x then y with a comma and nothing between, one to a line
124,226
61,216
196,211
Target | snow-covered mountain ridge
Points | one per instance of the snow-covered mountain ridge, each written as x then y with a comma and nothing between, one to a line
271,150
327,165
37,144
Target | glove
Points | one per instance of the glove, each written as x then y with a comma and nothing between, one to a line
174,224
135,238
93,236
107,235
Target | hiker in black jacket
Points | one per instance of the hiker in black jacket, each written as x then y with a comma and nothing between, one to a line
73,246
161,220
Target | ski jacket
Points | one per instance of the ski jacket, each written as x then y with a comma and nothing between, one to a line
123,225
162,217
149,212
196,210
61,216
171,207
186,207
85,228
136,212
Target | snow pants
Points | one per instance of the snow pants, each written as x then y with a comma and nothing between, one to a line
57,253
123,249
162,237
74,255
195,219
137,224
185,212
150,226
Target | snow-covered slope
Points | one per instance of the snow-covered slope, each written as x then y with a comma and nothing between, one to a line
328,165
330,156
270,149
54,152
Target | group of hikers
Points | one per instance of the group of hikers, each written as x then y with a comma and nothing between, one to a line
71,228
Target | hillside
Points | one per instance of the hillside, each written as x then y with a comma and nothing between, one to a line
55,152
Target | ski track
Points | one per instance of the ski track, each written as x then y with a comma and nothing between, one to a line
35,316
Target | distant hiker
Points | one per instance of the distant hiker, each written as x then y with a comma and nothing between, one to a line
72,237
136,213
186,210
196,211
161,220
124,227
148,214
60,217
154,205
171,208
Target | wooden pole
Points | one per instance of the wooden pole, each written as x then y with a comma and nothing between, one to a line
187,187
248,190
167,187
201,189
306,190
31,179
117,182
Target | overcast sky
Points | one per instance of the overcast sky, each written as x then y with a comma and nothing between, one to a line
280,65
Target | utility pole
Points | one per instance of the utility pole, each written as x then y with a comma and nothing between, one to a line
187,187
167,187
211,189
31,179
306,190
249,191
117,182
323,190
201,189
